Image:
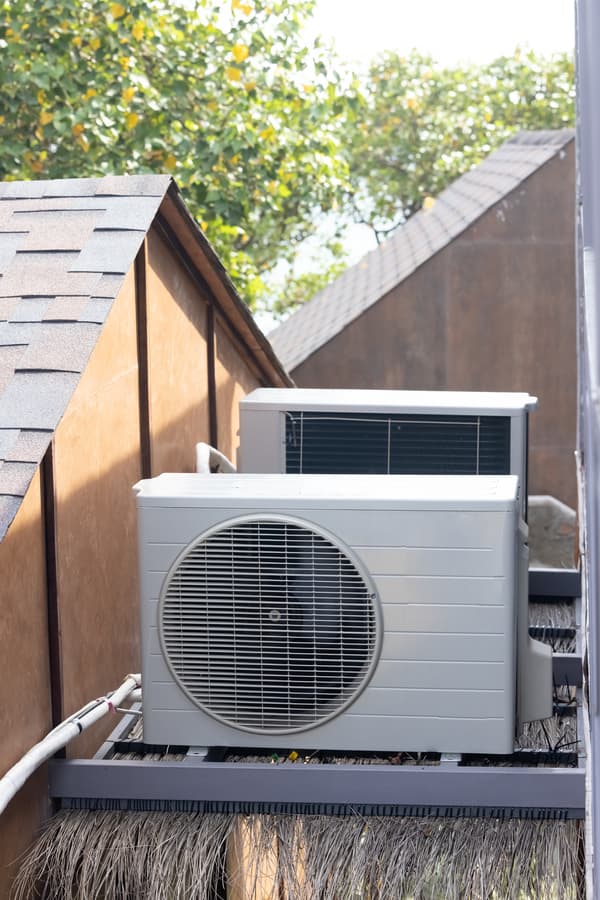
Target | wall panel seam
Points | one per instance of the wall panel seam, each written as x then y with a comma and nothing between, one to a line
141,327
48,502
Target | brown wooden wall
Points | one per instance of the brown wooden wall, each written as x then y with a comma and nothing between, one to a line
178,368
233,381
143,400
495,310
96,461
25,712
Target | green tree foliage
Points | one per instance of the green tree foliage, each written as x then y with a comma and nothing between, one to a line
266,135
421,125
227,97
298,287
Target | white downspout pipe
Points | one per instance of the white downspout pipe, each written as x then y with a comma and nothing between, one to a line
60,736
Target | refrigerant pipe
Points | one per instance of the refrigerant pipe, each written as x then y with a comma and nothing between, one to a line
60,736
209,459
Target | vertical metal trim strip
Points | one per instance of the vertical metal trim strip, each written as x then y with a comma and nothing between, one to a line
213,424
141,327
48,499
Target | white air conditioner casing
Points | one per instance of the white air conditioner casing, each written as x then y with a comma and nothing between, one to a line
355,613
385,431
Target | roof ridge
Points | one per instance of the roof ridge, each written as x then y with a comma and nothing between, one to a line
151,184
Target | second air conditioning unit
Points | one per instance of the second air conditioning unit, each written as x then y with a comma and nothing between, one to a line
356,613
385,432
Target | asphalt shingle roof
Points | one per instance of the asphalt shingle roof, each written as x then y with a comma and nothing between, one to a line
424,235
65,247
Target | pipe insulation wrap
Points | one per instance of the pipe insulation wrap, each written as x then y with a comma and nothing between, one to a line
209,459
60,736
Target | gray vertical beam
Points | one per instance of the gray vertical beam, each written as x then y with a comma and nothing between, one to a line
588,156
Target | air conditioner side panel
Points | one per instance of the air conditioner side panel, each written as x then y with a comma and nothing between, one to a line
518,455
445,679
262,441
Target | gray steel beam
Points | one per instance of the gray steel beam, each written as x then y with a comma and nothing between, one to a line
555,583
566,669
119,733
434,787
588,438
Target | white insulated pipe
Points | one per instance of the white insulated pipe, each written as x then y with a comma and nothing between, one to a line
60,736
209,459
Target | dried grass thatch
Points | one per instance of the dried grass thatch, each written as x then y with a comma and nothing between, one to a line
557,733
162,856
552,615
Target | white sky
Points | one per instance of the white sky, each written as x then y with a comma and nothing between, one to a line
450,30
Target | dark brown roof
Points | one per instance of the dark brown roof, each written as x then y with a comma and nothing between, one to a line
424,235
65,248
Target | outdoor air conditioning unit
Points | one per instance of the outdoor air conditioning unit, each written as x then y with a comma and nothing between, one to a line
385,432
355,613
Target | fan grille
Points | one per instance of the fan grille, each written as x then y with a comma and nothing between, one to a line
418,444
268,625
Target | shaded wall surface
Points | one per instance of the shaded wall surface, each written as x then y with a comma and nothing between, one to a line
233,381
140,406
178,368
25,712
495,310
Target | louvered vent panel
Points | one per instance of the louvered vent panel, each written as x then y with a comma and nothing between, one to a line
268,626
397,445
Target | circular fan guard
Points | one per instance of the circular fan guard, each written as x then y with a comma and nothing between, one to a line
268,625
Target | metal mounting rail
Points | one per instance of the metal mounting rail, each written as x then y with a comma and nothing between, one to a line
446,789
566,669
554,584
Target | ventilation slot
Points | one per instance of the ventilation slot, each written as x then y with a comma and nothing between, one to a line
397,445
268,626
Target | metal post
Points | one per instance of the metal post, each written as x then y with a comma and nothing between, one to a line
588,154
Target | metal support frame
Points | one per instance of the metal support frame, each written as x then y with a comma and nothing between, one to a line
405,790
566,669
452,787
587,18
119,733
555,584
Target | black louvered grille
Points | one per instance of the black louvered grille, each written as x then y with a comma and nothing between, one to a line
268,626
369,443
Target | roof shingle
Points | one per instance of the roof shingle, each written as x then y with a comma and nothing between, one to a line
65,247
64,347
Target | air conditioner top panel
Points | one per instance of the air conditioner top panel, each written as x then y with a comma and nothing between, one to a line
434,402
464,492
